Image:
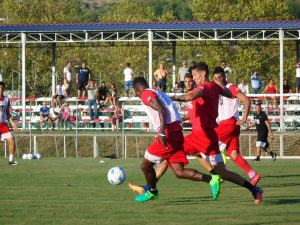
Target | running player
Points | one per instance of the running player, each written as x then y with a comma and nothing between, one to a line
229,124
164,117
203,115
263,130
4,129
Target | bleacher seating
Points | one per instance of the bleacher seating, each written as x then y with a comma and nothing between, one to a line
136,118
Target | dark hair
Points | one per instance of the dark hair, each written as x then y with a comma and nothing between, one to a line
103,82
258,104
188,75
128,64
2,84
203,66
219,70
141,81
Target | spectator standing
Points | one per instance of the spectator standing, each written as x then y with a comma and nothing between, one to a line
181,73
161,76
82,77
128,78
297,66
68,78
92,99
102,93
45,115
271,88
286,87
256,83
243,86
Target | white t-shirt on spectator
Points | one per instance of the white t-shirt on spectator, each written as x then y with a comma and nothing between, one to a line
244,88
182,71
60,89
68,73
298,72
128,74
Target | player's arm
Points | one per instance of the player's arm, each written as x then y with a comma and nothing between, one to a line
225,91
156,105
267,122
252,124
247,104
185,117
196,93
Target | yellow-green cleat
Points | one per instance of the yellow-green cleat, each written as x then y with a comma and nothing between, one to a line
147,196
215,185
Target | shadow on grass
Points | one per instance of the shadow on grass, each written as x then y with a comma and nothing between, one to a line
282,176
188,200
282,201
282,185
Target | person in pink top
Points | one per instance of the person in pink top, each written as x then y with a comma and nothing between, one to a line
203,140
228,130
5,132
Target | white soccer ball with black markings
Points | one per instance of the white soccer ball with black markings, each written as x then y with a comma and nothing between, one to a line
116,175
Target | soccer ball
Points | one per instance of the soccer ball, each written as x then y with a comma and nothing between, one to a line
29,156
24,156
116,175
38,156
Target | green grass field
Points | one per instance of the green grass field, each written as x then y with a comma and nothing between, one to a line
76,191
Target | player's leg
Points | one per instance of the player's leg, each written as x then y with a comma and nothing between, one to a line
266,148
258,151
8,136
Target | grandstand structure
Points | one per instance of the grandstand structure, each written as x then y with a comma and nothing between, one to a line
284,117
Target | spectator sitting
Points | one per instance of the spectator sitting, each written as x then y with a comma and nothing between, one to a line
271,88
102,93
66,115
55,115
161,76
116,118
44,115
287,87
256,83
60,94
112,95
176,88
243,86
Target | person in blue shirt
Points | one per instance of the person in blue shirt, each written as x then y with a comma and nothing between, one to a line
44,115
83,76
256,83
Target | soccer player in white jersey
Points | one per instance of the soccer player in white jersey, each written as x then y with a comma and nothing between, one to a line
4,129
228,130
168,145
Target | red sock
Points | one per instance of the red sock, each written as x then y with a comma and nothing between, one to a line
241,162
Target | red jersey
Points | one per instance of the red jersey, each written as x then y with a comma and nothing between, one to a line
204,110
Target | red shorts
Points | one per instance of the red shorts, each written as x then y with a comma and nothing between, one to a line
228,133
5,131
202,141
174,153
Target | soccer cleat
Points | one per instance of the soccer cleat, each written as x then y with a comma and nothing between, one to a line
256,159
12,163
137,189
274,156
214,184
254,180
147,196
257,195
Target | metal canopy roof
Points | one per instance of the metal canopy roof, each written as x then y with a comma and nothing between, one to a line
169,31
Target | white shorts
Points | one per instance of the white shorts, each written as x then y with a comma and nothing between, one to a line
222,146
6,135
261,144
213,159
153,158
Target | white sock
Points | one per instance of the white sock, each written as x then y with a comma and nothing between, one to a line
11,157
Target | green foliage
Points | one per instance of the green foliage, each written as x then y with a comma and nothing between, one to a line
294,7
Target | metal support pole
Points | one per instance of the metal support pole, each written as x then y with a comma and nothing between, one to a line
297,50
96,153
150,39
65,147
281,150
5,148
174,63
249,144
34,145
53,67
77,118
282,128
125,149
23,40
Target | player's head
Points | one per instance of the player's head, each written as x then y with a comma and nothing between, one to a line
200,73
139,85
188,82
258,108
219,74
2,87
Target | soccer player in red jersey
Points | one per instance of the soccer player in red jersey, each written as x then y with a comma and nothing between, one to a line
228,130
203,139
165,119
5,116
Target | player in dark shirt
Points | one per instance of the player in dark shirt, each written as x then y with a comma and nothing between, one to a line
263,128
